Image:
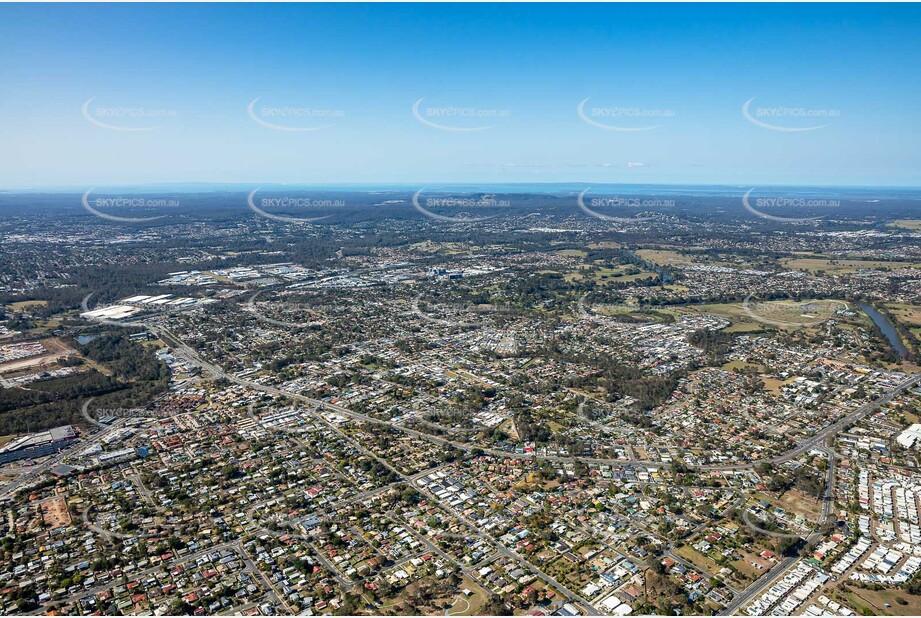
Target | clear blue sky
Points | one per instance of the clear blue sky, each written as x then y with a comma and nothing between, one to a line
199,66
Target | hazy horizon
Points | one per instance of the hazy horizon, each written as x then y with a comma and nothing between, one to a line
388,94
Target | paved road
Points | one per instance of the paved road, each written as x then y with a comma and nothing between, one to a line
778,571
804,446
760,584
137,575
463,518
39,470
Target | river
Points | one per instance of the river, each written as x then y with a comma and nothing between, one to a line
887,329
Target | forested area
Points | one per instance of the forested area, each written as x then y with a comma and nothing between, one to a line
137,376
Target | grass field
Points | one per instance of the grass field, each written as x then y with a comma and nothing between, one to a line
649,315
906,314
908,224
876,600
795,501
776,313
815,264
667,258
572,253
773,385
702,562
25,304
469,605
608,275
689,257
737,364
744,327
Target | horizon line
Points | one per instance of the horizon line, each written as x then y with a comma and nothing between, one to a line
67,188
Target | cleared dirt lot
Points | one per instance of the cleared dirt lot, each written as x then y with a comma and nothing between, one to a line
54,351
55,513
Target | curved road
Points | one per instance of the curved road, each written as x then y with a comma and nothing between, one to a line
802,447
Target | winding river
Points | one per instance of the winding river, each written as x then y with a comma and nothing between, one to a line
887,329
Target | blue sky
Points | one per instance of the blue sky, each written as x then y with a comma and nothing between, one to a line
682,73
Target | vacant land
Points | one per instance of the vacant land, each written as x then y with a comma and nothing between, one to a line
702,562
55,350
795,501
876,600
668,258
773,385
634,312
572,253
906,314
775,313
908,224
816,264
25,304
737,364
55,513
468,604
746,567
602,275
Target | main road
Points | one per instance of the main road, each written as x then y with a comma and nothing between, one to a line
814,441
828,501
809,443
